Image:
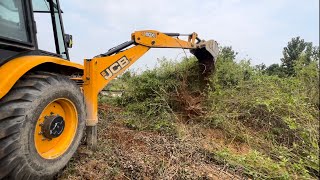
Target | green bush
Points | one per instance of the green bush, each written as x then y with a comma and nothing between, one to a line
278,117
274,113
164,89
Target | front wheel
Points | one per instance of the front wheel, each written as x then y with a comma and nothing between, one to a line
42,120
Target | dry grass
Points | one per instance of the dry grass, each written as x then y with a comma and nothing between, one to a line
124,153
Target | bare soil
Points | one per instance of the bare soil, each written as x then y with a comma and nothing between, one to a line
125,153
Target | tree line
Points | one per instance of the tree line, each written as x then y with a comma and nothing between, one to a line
298,53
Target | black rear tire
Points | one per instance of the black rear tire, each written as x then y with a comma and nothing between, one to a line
19,112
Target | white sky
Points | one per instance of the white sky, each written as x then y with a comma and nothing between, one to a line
256,29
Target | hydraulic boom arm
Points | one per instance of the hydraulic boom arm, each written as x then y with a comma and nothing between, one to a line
99,71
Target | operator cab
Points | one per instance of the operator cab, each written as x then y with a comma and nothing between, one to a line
18,29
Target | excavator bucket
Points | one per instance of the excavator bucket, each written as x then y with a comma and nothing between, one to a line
206,53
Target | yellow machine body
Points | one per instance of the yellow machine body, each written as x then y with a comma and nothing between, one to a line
13,70
99,71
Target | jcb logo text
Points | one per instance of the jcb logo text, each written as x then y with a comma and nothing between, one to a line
115,68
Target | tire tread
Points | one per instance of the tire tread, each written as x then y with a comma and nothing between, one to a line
13,109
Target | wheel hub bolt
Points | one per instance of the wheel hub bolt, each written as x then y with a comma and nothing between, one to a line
52,126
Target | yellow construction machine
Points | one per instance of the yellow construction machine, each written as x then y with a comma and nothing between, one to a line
47,101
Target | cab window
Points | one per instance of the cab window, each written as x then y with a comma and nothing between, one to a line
49,30
12,21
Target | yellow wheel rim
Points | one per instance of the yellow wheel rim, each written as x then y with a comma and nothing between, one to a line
55,147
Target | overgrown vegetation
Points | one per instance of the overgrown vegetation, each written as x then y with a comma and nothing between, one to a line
273,110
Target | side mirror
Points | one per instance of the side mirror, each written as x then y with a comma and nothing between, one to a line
69,41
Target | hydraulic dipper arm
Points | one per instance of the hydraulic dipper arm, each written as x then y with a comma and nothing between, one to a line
99,71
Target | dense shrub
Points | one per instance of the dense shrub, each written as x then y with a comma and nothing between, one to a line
278,117
170,87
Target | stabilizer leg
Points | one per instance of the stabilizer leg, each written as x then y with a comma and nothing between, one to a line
92,137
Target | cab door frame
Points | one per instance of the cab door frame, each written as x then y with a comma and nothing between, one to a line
10,48
54,6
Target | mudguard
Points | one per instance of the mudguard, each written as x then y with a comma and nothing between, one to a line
13,70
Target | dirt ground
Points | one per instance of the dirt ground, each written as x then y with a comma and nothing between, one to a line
124,153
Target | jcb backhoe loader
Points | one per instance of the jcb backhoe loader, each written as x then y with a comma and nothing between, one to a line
46,101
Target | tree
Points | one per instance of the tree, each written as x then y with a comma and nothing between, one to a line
316,54
261,67
227,54
295,48
275,70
